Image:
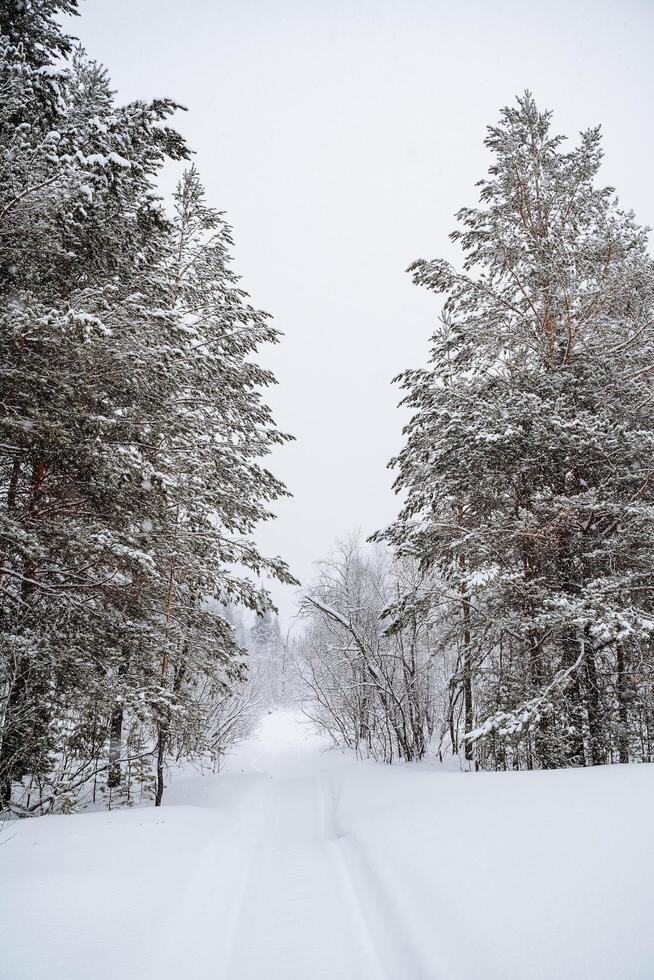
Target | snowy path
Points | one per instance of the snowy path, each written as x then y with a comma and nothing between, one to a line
299,863
283,900
300,915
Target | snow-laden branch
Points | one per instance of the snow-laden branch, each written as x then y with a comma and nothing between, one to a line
513,722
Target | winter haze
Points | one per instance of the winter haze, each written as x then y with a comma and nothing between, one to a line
341,138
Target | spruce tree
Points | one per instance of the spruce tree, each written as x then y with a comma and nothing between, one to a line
83,236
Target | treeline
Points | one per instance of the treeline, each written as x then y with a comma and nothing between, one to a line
527,479
132,436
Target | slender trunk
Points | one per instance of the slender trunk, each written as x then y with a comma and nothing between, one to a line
467,699
161,758
574,752
12,736
114,776
179,673
25,717
623,717
454,735
467,665
115,746
594,708
164,724
546,748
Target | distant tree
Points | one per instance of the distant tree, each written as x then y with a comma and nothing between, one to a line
267,656
371,683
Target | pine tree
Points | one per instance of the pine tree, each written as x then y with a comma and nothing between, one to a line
527,464
82,233
217,431
132,430
267,656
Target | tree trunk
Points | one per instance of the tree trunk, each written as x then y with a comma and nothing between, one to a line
12,746
467,696
25,713
116,731
623,716
468,708
179,673
575,753
161,758
594,708
115,747
546,749
164,724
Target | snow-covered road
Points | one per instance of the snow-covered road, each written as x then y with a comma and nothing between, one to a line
297,862
300,914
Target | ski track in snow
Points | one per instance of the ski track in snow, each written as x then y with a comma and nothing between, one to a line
284,900
299,912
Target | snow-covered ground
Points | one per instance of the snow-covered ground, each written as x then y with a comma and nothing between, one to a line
299,863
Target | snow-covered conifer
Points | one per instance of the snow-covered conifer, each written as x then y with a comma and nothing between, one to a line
527,465
132,430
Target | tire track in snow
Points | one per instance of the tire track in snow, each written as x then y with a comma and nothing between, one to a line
358,917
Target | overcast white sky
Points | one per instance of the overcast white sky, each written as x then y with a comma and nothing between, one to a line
340,136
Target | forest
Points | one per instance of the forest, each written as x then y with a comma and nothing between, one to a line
504,618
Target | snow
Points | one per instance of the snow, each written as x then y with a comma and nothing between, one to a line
102,160
50,71
298,862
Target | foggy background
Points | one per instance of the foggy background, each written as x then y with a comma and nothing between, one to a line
340,137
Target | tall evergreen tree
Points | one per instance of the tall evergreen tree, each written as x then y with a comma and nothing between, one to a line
132,426
217,431
527,465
